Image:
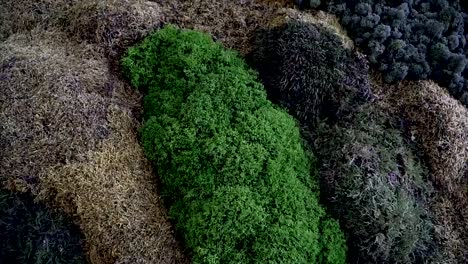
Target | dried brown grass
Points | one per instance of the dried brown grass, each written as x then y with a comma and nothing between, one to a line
439,124
114,194
53,104
232,22
22,15
68,135
320,18
114,25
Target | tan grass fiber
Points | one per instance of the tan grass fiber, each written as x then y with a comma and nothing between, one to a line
68,135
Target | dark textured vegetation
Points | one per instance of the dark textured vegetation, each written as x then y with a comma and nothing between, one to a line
378,187
411,39
113,24
320,95
235,174
308,71
438,124
32,233
369,176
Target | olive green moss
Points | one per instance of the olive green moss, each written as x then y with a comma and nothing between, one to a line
378,188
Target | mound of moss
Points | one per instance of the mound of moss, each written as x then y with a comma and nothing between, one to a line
432,116
31,233
369,176
236,177
378,187
306,69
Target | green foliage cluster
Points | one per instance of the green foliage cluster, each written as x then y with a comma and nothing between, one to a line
234,170
368,174
31,233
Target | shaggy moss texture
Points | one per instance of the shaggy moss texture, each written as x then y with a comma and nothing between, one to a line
235,173
379,189
438,124
369,176
309,72
68,134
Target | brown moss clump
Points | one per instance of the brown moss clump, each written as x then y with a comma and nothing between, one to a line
69,136
232,22
115,192
23,15
54,101
318,18
439,124
114,25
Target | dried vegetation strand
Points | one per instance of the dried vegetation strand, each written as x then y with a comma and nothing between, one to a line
115,192
23,15
68,125
54,100
319,18
113,25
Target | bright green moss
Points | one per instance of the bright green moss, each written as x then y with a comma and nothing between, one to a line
234,171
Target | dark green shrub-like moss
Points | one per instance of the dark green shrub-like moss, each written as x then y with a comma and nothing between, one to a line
239,184
368,175
31,233
379,189
307,70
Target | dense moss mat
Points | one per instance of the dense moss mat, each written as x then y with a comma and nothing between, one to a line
409,39
32,233
369,176
438,124
236,177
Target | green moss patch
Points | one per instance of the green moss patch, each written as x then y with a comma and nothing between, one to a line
239,183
